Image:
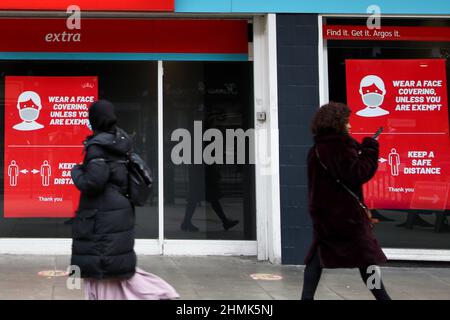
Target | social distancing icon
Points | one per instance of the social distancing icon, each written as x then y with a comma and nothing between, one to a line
46,172
394,162
14,172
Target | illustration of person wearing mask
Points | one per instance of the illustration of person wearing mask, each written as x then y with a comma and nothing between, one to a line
372,92
29,106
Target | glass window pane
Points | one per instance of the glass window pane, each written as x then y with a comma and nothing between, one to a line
132,87
406,228
206,196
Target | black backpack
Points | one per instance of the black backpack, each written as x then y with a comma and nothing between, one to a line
140,179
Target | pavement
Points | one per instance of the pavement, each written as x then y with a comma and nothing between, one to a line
225,278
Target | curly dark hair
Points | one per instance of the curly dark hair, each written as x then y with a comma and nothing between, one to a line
331,118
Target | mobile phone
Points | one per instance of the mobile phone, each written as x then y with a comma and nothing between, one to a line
375,136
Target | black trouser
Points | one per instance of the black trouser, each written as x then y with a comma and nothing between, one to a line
312,274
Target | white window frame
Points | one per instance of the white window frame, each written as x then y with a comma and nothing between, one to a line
267,177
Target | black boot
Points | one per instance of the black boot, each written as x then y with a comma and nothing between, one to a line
230,224
189,227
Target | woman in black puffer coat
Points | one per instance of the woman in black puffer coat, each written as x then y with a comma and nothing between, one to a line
103,229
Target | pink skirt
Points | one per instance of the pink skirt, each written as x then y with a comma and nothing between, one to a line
142,286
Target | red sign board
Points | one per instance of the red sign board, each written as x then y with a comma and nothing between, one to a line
89,5
46,120
409,99
386,33
125,36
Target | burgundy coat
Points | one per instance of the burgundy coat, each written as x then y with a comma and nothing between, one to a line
341,229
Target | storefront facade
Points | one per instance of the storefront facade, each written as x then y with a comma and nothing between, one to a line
178,82
333,62
234,81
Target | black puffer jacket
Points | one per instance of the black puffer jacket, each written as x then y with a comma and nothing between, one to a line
103,229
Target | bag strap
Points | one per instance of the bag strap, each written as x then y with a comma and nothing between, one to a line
339,181
117,161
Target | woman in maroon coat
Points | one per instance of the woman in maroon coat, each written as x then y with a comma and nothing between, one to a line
342,231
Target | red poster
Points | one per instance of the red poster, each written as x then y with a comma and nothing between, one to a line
46,121
409,99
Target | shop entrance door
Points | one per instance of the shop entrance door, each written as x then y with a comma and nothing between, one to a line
208,165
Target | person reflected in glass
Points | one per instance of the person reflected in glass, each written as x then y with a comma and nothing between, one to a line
204,185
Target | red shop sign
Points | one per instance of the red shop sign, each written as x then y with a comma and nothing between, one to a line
89,5
125,36
386,33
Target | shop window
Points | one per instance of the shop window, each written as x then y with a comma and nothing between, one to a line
208,199
132,87
417,224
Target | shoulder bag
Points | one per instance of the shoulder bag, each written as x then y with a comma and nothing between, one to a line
338,181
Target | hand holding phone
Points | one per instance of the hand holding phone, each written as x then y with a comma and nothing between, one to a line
375,136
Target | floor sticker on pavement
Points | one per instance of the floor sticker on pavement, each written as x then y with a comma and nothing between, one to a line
265,276
53,273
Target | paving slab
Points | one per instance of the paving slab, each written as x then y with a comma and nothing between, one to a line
225,278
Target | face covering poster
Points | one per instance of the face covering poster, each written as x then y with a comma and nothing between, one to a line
46,121
409,99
